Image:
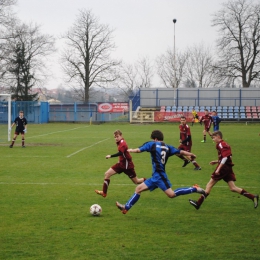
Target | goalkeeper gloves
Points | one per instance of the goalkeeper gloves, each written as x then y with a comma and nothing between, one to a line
25,130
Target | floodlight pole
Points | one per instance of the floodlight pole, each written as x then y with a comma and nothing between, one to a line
174,60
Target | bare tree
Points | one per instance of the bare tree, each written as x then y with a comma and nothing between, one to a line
86,60
6,15
25,52
127,79
144,70
165,68
238,25
6,19
198,67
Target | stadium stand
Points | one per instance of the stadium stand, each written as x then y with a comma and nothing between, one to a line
232,113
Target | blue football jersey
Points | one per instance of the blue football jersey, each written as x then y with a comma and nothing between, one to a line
160,152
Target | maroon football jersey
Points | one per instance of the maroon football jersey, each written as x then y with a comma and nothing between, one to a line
184,133
207,120
224,150
126,158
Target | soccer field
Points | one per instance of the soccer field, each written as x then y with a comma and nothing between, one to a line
48,187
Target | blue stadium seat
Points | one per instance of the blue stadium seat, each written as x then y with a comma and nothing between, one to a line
168,109
224,116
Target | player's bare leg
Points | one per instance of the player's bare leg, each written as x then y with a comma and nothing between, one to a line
136,180
185,159
13,141
23,140
108,174
243,192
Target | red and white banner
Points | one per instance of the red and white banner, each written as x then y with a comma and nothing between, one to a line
113,107
174,116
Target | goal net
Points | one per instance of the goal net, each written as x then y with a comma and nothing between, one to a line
5,117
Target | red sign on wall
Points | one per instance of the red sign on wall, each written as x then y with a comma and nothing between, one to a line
172,116
113,107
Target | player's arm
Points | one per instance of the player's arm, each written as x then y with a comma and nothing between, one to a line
223,161
11,126
213,162
186,140
114,155
187,153
136,150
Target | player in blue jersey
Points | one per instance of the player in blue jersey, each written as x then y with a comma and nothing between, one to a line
216,120
160,152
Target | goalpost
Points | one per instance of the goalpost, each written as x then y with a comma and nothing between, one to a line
6,117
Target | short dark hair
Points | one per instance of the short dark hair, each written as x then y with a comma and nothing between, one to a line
219,133
183,117
117,132
157,134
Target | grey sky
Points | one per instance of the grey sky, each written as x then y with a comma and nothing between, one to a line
142,27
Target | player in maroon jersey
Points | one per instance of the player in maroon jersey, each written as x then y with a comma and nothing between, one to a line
124,165
207,120
224,172
186,143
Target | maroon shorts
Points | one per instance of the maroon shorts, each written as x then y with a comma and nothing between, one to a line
206,129
186,148
119,168
226,174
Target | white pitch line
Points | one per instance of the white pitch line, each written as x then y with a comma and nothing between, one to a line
57,132
86,147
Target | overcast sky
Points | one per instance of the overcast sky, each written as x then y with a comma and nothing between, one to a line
141,27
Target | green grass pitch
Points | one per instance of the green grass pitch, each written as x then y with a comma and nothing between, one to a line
46,190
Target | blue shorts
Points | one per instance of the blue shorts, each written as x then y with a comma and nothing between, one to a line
216,128
158,181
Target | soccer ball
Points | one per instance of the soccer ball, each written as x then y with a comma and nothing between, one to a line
95,210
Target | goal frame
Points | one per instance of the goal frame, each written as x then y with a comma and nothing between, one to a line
8,96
